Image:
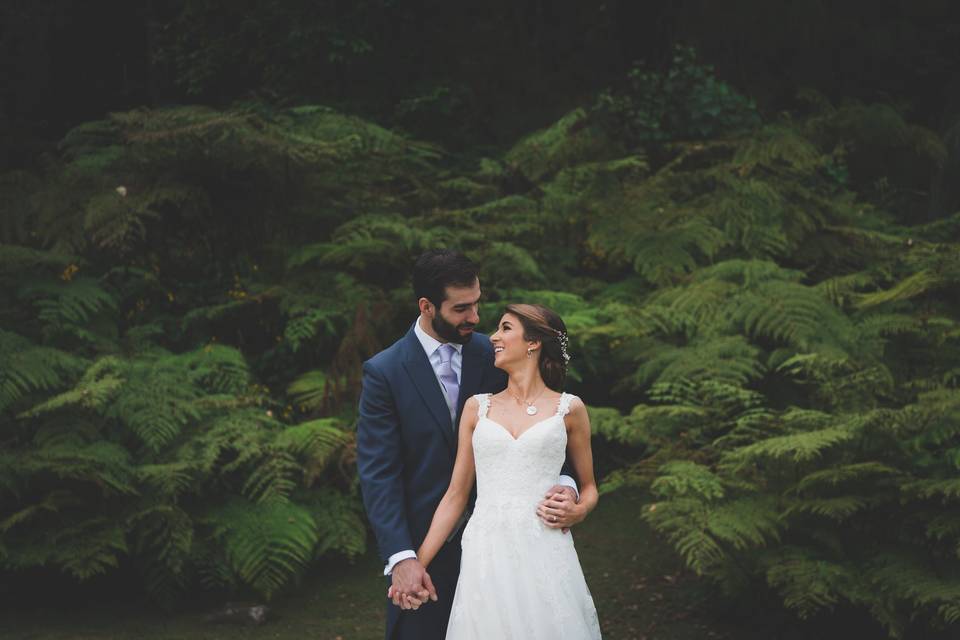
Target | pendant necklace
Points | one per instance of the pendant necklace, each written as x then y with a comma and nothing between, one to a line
531,408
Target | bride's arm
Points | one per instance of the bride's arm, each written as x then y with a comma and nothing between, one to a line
455,499
581,454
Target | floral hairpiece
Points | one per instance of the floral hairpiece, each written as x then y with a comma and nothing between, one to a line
564,342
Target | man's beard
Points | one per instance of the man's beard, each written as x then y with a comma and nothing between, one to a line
450,332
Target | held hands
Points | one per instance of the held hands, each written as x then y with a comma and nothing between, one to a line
559,508
411,586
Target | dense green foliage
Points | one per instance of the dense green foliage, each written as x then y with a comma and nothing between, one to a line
188,294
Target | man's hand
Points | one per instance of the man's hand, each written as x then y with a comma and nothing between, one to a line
559,508
411,586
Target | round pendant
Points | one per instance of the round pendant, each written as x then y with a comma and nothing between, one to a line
531,410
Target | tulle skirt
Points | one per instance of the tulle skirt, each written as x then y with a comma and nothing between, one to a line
519,580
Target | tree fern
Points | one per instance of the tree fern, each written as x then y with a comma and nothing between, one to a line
265,543
310,391
340,525
27,367
798,447
155,403
99,383
272,478
809,584
901,577
315,443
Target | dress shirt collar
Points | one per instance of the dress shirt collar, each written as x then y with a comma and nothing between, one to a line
429,343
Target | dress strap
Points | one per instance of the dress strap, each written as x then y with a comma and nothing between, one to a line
563,408
483,399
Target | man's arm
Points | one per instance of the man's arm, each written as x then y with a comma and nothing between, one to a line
380,466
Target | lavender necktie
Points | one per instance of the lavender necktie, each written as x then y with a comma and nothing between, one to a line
449,379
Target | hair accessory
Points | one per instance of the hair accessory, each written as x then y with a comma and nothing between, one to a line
564,342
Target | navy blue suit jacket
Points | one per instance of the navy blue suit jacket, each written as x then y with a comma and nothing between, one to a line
406,444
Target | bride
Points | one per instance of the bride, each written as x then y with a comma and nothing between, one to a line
520,577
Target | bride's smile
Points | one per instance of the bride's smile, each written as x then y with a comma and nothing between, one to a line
509,347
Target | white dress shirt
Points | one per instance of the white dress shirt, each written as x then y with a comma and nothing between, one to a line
431,347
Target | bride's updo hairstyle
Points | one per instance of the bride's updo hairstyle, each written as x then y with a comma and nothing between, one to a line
543,324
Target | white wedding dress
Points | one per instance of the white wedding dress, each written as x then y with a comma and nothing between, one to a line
519,579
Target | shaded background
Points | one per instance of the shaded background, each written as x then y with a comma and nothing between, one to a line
491,70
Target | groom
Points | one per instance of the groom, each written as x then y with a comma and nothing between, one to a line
410,404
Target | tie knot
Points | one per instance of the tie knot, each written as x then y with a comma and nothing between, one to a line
446,352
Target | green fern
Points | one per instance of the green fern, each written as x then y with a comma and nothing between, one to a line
315,443
340,525
798,447
265,543
809,584
99,383
26,368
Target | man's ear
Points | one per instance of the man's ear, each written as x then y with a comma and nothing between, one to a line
426,307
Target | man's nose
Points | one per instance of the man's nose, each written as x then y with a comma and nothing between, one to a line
474,316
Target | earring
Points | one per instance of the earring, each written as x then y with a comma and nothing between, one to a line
529,353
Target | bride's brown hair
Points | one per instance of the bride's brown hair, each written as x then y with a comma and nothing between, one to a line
543,324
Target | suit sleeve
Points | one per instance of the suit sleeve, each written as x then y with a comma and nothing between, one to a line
380,464
567,470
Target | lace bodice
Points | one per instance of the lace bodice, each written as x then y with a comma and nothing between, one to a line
516,472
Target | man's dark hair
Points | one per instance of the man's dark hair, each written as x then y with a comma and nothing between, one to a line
437,269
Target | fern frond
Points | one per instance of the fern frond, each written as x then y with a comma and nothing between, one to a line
99,383
316,443
564,143
215,368
910,287
69,303
273,478
25,368
308,324
157,400
16,260
267,543
169,479
683,478
837,508
777,146
945,526
791,313
684,521
727,360
85,549
340,526
798,447
842,474
809,584
912,580
746,522
164,533
104,464
310,390
506,264
51,503
947,489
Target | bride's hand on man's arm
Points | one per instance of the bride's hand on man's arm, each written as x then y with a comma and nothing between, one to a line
559,508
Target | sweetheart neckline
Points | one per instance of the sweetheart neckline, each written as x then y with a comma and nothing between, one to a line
525,431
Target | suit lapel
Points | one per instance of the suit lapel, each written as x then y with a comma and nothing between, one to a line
425,380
